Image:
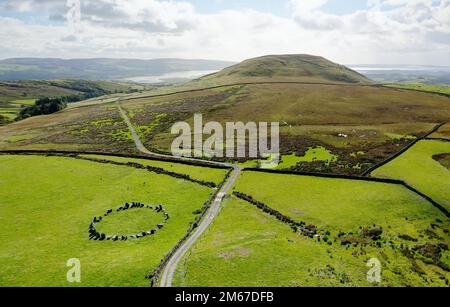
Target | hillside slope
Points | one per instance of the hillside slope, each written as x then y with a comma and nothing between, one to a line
296,67
14,96
272,69
360,124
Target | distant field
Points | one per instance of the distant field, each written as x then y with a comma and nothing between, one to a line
24,101
195,172
418,168
10,114
247,247
19,94
46,210
442,89
312,155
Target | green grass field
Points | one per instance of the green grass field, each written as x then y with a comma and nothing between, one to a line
199,173
29,102
47,204
10,115
340,205
130,222
243,238
246,247
418,168
312,155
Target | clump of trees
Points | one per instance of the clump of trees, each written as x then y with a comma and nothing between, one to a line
45,106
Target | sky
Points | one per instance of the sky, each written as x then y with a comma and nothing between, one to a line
413,32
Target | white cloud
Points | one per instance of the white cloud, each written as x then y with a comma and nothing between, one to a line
398,30
305,6
388,31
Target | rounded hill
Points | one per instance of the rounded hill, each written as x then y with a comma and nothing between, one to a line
301,67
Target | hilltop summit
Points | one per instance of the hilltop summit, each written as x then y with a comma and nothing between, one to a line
300,67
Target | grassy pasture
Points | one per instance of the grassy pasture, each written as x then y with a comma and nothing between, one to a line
199,173
130,222
246,247
341,205
311,155
29,102
243,238
418,168
47,204
10,115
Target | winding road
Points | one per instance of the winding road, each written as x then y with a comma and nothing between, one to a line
170,268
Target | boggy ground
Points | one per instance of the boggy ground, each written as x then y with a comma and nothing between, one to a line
372,121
